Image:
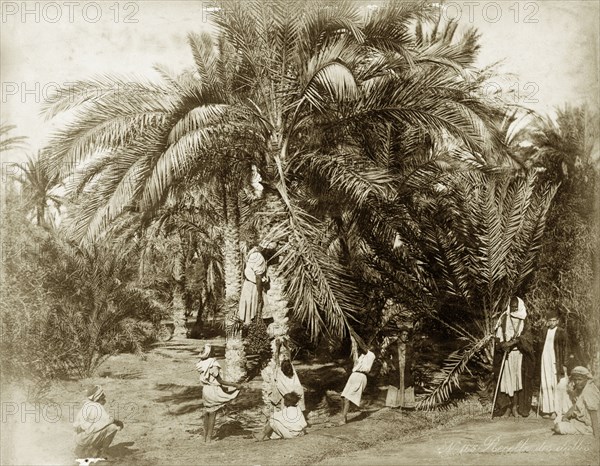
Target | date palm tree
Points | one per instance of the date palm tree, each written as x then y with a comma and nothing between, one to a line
308,93
39,190
566,152
480,238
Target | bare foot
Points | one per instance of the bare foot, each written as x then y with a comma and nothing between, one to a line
259,437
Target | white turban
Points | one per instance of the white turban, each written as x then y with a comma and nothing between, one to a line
520,313
206,353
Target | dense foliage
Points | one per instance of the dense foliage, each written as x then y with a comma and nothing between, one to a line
567,278
361,143
65,308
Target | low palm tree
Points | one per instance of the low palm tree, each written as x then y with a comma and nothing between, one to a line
480,240
98,307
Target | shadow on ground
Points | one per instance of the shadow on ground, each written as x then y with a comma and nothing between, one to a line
186,398
233,428
189,398
122,375
122,450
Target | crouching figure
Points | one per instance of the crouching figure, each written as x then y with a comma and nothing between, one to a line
286,423
582,418
94,428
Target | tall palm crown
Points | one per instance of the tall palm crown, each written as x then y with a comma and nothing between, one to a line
39,190
309,93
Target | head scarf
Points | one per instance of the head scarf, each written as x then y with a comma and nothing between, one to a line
520,313
581,371
266,244
511,329
207,350
95,393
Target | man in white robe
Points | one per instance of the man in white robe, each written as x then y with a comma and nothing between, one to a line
253,296
286,423
554,400
582,418
357,382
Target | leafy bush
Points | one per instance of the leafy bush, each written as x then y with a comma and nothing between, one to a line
65,309
26,354
98,307
567,275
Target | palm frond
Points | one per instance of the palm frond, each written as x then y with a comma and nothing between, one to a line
10,142
449,377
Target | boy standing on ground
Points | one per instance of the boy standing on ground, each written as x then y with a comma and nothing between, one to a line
553,348
357,382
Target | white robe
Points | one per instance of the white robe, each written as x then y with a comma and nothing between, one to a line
288,423
213,395
357,381
554,394
511,380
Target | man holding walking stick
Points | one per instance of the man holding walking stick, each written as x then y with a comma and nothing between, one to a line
514,362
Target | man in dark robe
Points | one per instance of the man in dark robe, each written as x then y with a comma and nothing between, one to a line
514,361
402,376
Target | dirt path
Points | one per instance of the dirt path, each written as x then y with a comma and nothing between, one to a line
159,400
502,442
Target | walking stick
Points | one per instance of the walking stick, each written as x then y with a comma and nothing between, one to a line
498,383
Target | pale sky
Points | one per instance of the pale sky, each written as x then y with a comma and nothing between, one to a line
554,60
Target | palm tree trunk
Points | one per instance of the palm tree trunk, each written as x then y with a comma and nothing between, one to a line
279,329
178,305
235,356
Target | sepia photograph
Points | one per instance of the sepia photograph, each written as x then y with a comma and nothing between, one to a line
299,232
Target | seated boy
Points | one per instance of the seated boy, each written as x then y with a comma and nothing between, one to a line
287,423
582,418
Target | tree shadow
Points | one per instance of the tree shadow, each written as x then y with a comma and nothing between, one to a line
249,398
320,384
232,428
362,415
180,393
122,450
122,375
187,398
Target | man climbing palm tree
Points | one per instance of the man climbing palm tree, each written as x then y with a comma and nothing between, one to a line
253,299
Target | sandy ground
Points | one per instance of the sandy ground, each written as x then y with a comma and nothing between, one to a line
159,400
